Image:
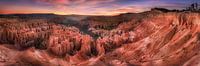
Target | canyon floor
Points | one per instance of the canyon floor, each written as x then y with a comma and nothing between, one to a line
152,38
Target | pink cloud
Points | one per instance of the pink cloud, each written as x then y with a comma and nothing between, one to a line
77,2
56,2
76,6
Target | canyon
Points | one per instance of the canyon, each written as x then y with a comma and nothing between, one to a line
152,38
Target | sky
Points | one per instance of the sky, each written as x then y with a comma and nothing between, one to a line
88,7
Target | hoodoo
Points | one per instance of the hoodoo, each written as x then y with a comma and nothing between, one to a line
145,39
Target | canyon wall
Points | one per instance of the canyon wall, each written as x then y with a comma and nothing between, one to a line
144,39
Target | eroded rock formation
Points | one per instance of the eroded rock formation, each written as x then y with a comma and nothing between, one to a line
145,39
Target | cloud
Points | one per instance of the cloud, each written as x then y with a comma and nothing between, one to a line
77,6
54,1
74,2
89,7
